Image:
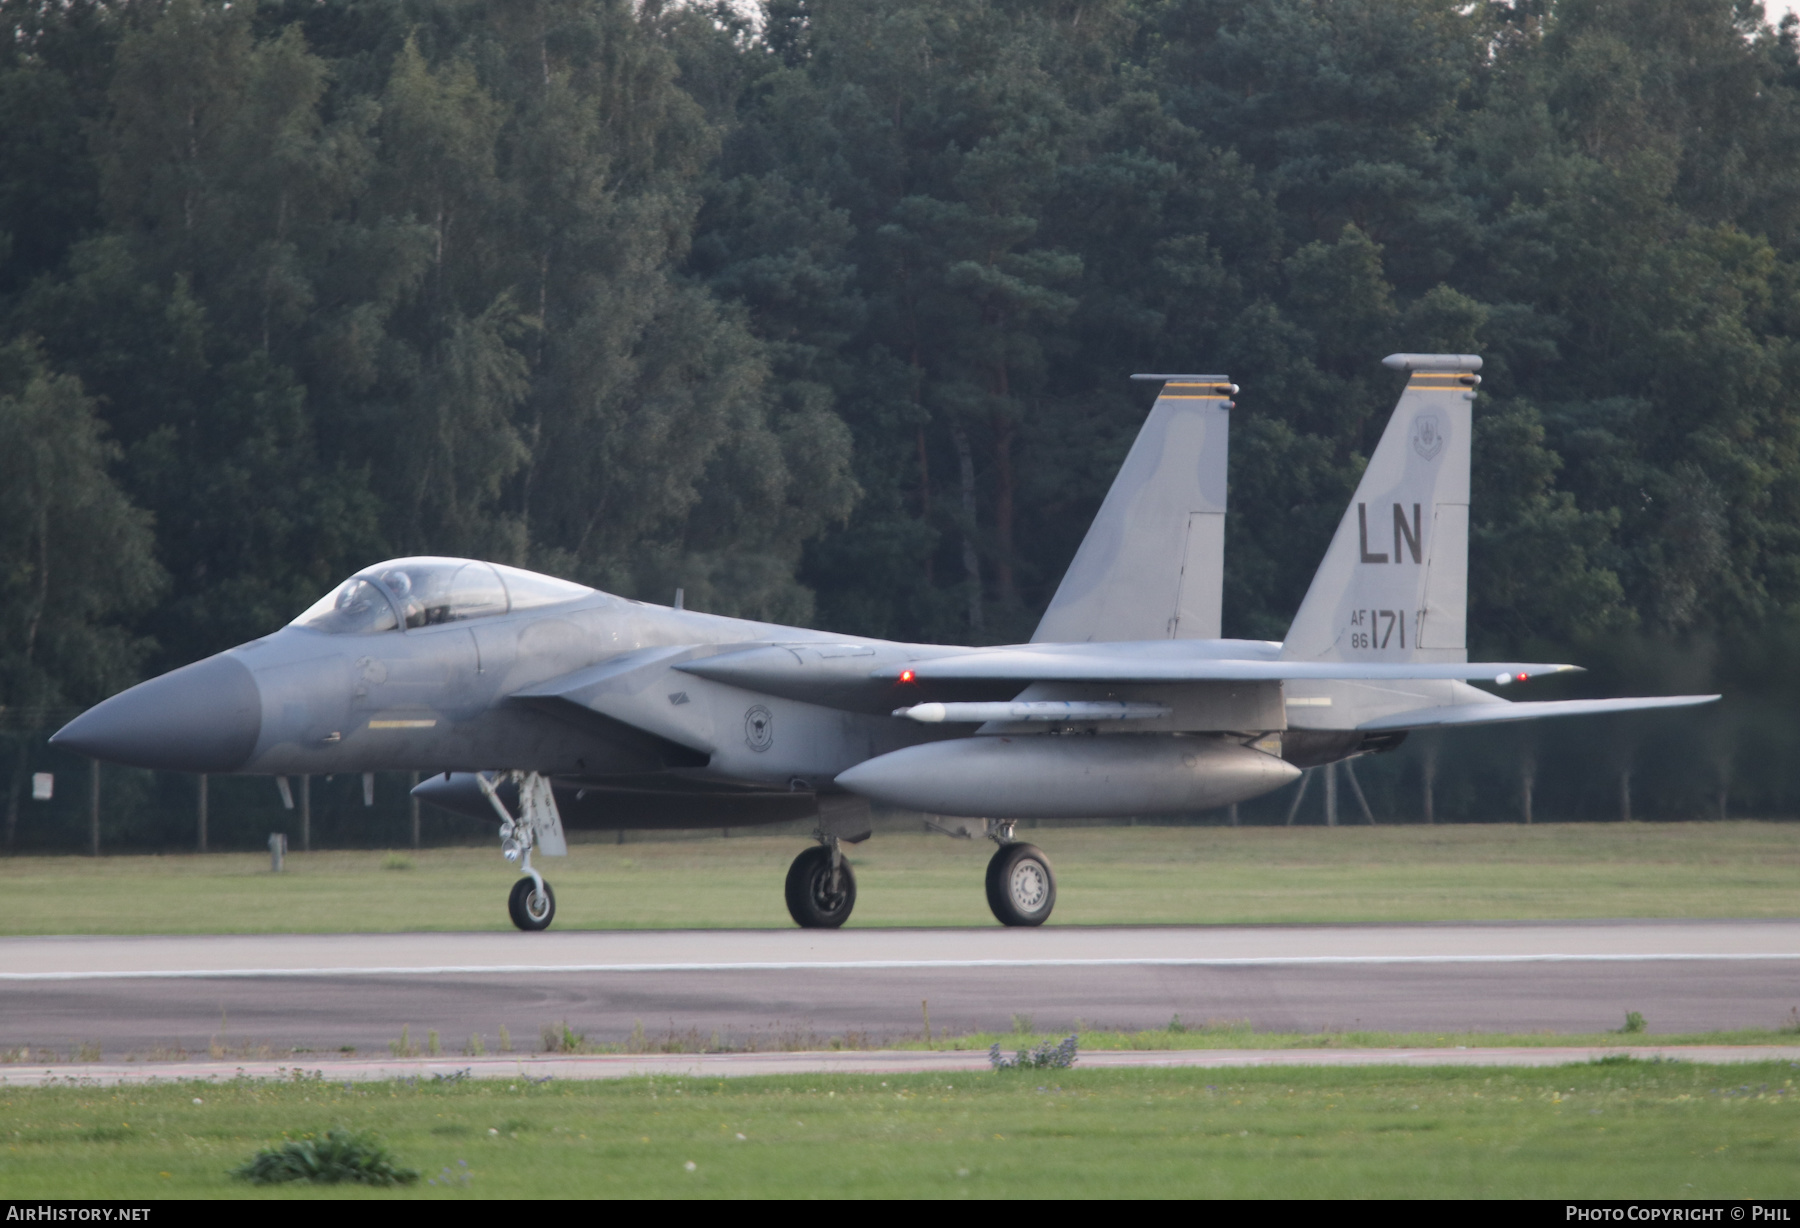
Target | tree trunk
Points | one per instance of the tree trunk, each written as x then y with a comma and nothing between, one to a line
965,461
925,503
413,810
1625,795
21,761
202,815
94,808
1527,778
306,814
1430,779
1331,795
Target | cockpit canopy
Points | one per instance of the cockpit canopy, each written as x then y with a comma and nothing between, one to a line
424,592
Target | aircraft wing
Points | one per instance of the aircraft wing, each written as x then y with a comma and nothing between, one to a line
1493,714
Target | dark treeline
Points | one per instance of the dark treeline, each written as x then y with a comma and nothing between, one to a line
823,310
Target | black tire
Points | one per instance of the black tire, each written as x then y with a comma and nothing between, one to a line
1021,887
809,897
530,911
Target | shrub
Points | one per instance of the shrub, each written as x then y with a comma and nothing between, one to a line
339,1156
1059,1056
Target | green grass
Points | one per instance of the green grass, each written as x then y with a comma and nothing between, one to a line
1106,876
1615,1129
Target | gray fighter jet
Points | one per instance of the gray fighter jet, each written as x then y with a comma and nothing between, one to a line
547,705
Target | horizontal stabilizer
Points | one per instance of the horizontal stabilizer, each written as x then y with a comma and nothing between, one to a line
1079,666
1493,714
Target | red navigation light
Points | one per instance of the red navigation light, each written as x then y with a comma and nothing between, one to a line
906,675
1523,677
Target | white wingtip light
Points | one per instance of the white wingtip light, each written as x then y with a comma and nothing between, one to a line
1502,679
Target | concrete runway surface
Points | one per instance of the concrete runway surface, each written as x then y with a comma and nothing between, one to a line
264,996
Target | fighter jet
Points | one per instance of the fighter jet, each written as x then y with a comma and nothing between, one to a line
549,706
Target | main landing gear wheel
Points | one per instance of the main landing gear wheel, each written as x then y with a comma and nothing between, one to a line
813,900
531,908
1020,886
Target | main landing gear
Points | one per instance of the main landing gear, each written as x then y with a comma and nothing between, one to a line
532,905
821,891
1021,888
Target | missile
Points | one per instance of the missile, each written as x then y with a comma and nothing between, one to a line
1047,777
934,714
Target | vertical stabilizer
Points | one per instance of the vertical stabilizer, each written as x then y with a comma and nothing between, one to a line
1152,566
1394,584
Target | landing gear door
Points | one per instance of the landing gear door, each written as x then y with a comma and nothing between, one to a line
537,807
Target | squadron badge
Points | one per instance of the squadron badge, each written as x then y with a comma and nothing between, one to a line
1427,436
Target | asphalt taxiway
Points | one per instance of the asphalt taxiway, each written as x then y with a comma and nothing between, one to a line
269,995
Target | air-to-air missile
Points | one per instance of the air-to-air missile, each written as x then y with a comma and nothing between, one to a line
547,705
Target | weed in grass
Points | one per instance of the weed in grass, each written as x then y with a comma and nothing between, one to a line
458,1176
1022,1024
432,1046
1046,1056
505,1040
339,1156
394,861
560,1038
1176,1027
1634,1023
475,1048
87,1051
404,1047
1792,1026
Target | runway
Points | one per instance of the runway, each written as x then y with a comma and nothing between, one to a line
269,995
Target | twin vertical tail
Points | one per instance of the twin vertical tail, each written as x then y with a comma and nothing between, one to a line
1394,584
1152,566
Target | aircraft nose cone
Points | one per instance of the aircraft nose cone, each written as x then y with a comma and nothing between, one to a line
203,717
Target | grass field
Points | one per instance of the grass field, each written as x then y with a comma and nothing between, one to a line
1106,876
1613,1129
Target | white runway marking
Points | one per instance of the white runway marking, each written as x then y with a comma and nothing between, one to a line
883,965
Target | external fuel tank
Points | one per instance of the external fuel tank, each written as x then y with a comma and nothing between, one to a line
1049,776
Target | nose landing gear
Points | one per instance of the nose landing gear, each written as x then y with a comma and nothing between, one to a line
532,905
1021,887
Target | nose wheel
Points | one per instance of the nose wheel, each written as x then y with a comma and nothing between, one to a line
532,904
821,891
1021,889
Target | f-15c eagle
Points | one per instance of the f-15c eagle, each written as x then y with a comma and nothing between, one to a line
545,704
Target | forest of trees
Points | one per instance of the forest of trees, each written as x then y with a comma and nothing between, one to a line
824,309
